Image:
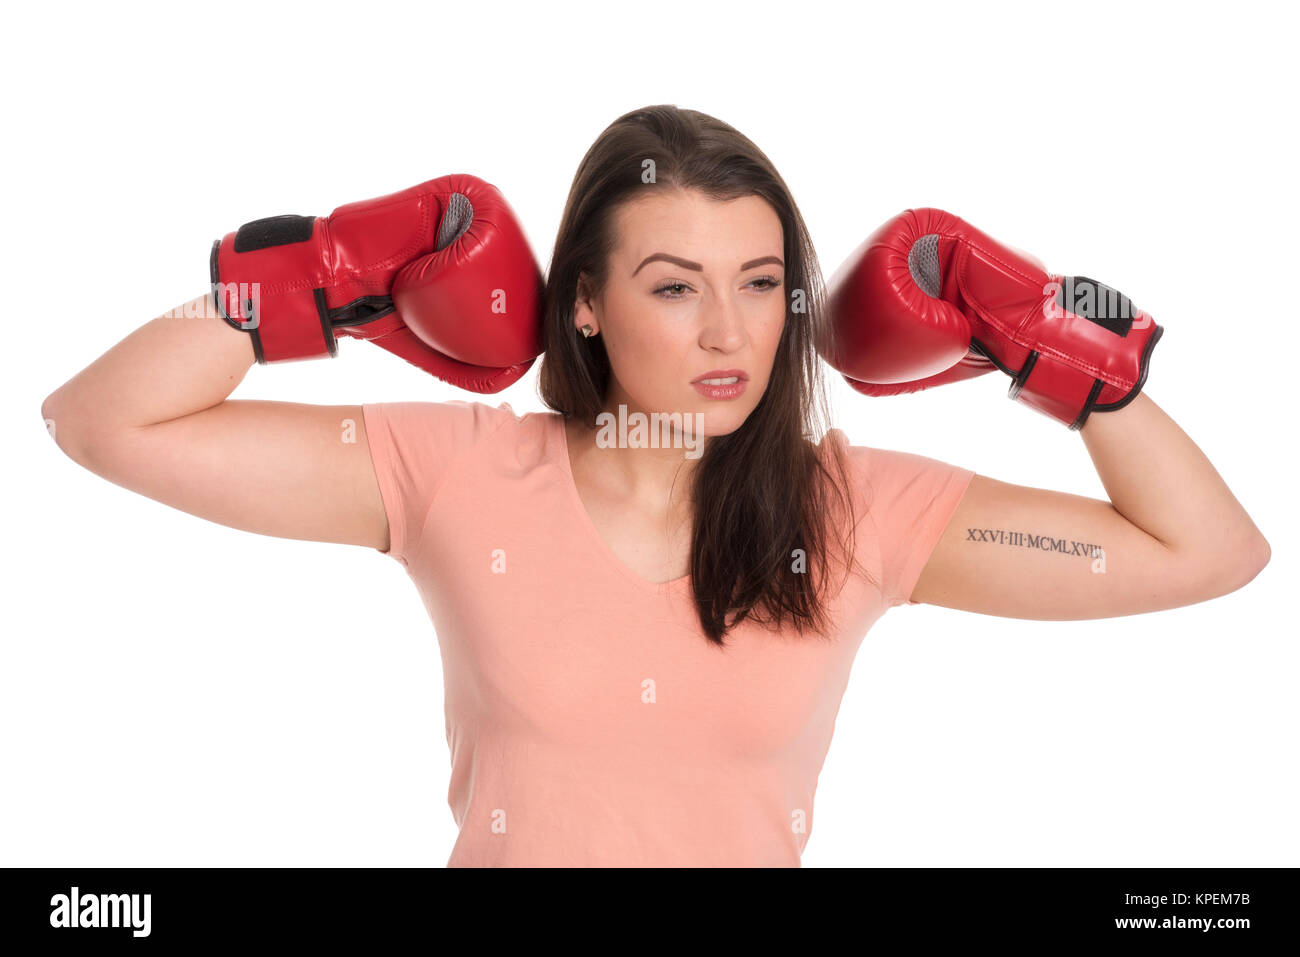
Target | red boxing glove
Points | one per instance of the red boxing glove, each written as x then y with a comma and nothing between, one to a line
928,300
439,274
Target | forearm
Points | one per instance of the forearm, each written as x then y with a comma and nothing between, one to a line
1158,479
178,363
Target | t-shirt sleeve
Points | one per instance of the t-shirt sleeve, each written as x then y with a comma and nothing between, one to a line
414,446
911,499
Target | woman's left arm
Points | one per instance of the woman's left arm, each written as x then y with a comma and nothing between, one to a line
1172,534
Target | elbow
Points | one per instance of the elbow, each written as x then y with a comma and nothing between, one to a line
1213,575
49,412
1265,553
1254,558
1260,557
57,424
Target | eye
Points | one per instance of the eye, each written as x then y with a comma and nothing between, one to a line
671,285
766,283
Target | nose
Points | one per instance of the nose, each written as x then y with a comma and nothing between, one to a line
723,328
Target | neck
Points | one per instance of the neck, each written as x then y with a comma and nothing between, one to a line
638,457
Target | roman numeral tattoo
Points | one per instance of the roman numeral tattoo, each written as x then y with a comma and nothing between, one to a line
1045,543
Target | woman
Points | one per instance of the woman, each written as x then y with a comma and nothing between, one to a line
645,643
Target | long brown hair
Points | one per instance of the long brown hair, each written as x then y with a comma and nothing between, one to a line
762,495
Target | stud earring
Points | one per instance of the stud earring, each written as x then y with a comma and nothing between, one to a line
587,331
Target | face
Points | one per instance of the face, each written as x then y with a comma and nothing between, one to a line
696,290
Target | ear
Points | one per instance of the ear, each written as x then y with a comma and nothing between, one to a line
583,313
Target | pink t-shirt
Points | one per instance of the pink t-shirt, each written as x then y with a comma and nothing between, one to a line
590,721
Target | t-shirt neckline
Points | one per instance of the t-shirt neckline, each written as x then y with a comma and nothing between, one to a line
584,519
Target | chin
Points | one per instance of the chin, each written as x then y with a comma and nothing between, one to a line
719,420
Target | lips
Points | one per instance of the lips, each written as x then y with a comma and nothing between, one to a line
725,375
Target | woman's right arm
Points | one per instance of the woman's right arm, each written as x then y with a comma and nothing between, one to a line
152,415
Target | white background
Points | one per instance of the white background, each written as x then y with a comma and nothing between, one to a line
173,692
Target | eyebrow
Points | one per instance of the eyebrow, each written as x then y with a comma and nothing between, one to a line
687,264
